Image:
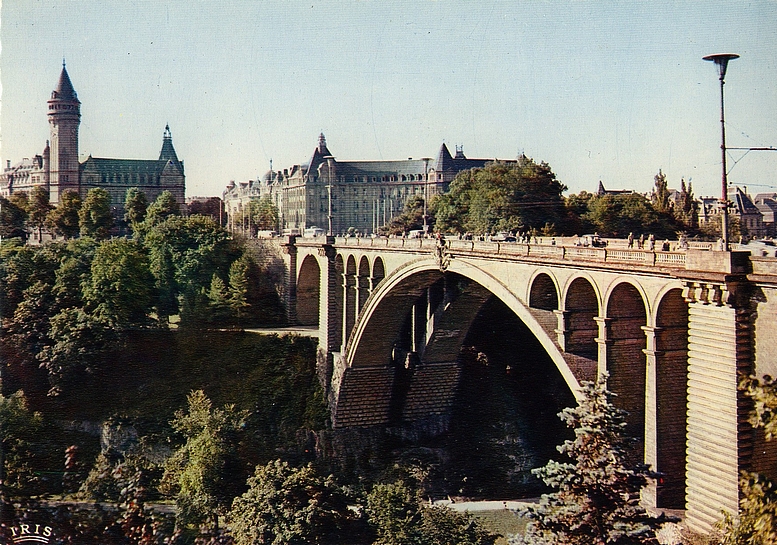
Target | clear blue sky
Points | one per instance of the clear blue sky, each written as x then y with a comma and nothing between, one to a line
610,91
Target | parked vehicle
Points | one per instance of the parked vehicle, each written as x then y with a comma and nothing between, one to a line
314,232
592,240
763,248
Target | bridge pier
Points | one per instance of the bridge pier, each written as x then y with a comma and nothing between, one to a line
719,440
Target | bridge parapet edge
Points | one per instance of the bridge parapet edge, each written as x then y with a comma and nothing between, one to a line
692,259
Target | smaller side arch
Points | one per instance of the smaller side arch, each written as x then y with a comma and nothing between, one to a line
581,308
543,292
308,291
362,283
378,272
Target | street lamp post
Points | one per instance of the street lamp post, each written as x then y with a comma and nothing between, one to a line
721,60
329,159
426,193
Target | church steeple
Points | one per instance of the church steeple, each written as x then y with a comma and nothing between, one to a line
168,152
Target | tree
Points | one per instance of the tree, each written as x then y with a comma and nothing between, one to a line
660,196
135,207
399,518
18,427
12,220
95,218
597,497
79,339
687,209
201,474
212,206
184,254
28,329
393,512
218,301
501,197
64,219
412,217
119,289
619,215
264,214
294,506
40,206
756,522
162,208
239,286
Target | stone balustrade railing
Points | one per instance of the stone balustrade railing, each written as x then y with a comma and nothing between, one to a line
699,256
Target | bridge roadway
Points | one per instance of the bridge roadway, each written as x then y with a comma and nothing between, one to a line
672,329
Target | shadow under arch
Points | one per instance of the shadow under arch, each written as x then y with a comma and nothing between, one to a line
671,370
308,291
485,388
371,343
627,316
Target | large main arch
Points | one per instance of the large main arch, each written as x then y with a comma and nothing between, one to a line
371,343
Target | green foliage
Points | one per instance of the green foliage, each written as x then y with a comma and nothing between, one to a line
756,522
18,429
501,197
213,207
39,208
198,473
393,512
64,220
13,218
660,196
135,207
184,255
239,287
79,340
74,271
165,206
29,328
25,266
412,217
120,284
218,302
264,214
687,210
763,394
597,497
619,215
95,217
443,526
399,518
293,506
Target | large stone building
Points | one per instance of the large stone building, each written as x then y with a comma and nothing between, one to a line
58,168
364,195
742,207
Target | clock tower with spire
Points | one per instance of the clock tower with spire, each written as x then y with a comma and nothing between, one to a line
64,115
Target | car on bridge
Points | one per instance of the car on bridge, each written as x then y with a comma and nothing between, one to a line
763,248
594,241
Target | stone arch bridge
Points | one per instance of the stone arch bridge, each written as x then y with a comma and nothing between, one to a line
672,329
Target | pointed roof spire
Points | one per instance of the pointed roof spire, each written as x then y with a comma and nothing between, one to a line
64,90
444,159
168,151
322,149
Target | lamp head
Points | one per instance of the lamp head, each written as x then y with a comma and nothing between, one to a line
721,59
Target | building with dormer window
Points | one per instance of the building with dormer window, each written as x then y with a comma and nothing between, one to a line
58,168
364,195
